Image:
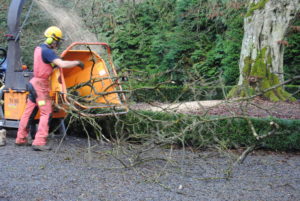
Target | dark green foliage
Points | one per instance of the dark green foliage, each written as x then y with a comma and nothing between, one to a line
292,52
232,47
3,22
179,40
294,90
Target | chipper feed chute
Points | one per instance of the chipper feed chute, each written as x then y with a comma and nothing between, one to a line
94,90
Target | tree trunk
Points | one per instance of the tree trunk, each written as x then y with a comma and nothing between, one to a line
261,59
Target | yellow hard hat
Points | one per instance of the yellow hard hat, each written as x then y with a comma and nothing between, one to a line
53,32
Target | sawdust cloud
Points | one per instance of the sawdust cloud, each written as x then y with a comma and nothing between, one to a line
71,24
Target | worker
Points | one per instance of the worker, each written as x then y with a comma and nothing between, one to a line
45,59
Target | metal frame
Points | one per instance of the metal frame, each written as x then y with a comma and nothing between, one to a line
121,96
15,78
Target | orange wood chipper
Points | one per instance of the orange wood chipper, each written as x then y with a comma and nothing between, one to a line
93,91
96,87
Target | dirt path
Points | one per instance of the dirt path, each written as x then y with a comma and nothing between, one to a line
179,107
67,175
254,108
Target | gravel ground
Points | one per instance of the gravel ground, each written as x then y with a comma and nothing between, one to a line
67,174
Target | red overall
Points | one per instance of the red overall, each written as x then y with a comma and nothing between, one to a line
41,84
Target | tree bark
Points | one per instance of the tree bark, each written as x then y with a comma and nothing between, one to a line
261,59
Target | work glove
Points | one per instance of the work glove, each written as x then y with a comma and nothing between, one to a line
81,65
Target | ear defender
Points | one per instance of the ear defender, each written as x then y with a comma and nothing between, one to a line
49,41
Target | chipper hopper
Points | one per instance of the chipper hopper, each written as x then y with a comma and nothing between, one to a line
92,91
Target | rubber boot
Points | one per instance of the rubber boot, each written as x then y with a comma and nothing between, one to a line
41,148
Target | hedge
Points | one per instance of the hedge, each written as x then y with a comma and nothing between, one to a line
194,131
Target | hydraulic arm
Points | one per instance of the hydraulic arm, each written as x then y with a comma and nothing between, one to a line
15,78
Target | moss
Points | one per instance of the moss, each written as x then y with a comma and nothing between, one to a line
258,77
256,6
273,79
247,65
269,60
241,91
248,90
284,95
233,92
259,67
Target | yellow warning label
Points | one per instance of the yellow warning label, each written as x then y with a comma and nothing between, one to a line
41,102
